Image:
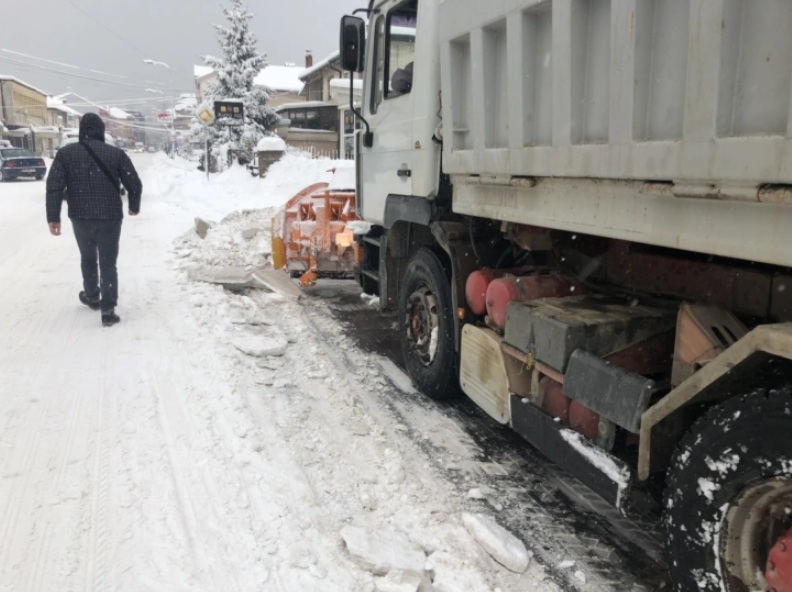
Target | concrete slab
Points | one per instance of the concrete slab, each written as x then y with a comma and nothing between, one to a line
276,280
238,278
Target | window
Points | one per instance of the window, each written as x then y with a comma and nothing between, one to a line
15,153
394,51
379,64
401,48
315,89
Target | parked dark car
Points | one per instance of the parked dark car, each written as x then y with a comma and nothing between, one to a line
19,162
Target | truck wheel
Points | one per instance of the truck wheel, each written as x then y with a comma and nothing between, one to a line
728,500
426,326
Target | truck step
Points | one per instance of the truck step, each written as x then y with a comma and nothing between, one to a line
367,279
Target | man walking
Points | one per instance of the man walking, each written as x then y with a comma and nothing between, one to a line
87,174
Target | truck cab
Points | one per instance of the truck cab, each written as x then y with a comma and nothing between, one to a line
401,104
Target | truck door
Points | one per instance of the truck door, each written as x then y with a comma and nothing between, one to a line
389,106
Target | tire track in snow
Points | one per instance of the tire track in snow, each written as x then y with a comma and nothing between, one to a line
64,452
26,421
204,433
169,414
42,550
96,571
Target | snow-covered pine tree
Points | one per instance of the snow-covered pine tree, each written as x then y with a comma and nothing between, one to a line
236,71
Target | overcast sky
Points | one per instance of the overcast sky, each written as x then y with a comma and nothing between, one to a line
115,36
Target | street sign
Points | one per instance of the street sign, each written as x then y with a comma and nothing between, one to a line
205,115
228,111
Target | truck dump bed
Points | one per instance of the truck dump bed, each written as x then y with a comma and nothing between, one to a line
665,122
694,92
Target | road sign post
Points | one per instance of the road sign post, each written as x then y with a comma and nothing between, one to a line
206,116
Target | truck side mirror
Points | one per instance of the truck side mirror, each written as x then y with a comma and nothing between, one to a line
353,43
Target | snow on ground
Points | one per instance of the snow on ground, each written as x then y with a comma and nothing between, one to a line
210,441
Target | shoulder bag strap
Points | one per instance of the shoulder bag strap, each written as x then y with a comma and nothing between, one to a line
102,165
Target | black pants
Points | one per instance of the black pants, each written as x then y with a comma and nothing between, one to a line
98,242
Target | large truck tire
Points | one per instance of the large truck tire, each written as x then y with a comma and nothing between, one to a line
426,326
729,494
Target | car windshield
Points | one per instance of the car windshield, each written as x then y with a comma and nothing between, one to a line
15,152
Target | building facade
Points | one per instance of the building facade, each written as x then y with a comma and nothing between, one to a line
327,84
25,117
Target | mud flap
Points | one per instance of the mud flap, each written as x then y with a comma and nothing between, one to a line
603,473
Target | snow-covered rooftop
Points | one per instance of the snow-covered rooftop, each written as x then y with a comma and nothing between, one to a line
22,82
201,71
357,83
276,78
186,102
116,113
284,78
61,106
319,65
303,104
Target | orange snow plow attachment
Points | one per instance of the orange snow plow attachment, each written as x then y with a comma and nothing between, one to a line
311,236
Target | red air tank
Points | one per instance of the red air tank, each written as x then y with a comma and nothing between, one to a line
476,289
503,290
477,283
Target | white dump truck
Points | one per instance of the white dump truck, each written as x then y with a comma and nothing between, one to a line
581,211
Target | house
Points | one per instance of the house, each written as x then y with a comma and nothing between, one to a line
349,123
317,78
205,82
119,124
325,119
61,115
183,111
26,120
281,82
311,126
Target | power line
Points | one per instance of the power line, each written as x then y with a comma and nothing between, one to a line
80,76
101,24
26,55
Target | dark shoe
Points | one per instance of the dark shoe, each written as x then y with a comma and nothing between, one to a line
109,318
92,304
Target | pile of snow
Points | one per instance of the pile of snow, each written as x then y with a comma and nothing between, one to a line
397,523
271,144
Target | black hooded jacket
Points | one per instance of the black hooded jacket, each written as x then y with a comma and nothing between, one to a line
88,192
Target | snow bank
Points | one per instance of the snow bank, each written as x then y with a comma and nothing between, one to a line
271,144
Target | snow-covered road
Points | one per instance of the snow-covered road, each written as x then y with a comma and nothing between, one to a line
211,441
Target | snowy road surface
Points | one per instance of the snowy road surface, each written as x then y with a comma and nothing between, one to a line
215,441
